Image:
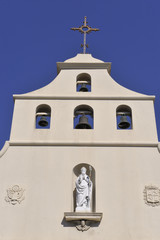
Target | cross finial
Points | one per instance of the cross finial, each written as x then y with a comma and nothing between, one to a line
85,29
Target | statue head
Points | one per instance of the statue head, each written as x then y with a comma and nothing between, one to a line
83,170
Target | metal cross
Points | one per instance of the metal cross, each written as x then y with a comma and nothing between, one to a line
84,29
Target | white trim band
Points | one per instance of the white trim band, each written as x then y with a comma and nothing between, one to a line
120,98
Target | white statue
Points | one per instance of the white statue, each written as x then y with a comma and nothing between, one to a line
83,191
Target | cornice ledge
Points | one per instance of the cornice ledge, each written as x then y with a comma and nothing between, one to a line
84,144
83,65
23,96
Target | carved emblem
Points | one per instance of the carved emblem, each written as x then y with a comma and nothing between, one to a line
82,226
152,196
15,195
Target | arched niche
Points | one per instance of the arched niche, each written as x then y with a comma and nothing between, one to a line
76,173
83,117
43,116
124,117
83,82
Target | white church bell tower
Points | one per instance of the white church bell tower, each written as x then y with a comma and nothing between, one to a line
83,156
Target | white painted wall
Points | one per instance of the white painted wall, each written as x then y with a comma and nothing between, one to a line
125,161
105,127
46,175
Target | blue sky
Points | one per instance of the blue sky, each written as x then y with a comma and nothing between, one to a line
35,34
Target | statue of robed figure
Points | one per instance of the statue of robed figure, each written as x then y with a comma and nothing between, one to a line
83,191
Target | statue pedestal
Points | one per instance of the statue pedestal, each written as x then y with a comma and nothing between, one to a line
82,209
83,220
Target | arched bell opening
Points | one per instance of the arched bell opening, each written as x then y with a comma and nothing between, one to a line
83,117
83,82
124,117
43,116
90,171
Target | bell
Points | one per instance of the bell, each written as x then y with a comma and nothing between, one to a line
43,122
83,123
83,88
123,122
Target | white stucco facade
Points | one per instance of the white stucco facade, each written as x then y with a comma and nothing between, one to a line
42,161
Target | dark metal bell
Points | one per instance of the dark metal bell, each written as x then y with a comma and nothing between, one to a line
83,88
123,122
43,122
83,123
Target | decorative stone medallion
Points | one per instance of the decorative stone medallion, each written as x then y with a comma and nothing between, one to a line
82,226
152,195
15,195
